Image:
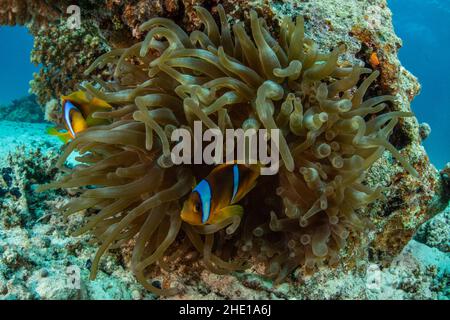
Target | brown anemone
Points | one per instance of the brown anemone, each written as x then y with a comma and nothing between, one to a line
229,76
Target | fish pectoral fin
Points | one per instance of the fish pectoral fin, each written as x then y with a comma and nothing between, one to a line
90,121
52,131
63,136
231,211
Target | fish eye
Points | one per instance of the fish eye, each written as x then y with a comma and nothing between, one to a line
197,207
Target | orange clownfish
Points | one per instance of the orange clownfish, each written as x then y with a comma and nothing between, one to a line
77,110
374,60
214,198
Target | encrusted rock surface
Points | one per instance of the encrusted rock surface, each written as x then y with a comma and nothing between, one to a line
38,257
406,270
435,233
25,109
36,13
63,53
37,253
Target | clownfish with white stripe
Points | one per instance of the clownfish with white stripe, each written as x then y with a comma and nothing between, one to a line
77,110
214,198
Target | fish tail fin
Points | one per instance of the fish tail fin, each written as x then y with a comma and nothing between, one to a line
63,136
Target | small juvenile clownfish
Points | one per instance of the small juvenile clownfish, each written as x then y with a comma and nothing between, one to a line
374,60
77,110
214,198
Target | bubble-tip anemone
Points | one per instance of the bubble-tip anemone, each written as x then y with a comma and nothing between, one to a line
228,77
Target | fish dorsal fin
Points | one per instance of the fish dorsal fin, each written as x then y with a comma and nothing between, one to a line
87,105
78,98
100,104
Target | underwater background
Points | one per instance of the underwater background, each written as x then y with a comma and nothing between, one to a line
18,72
423,26
35,246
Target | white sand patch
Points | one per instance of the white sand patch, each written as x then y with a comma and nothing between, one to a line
30,135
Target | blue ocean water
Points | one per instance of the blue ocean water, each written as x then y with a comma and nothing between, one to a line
16,68
424,28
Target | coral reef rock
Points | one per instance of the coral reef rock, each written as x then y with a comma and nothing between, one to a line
424,130
25,109
445,174
40,260
435,233
38,257
63,53
35,13
408,269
